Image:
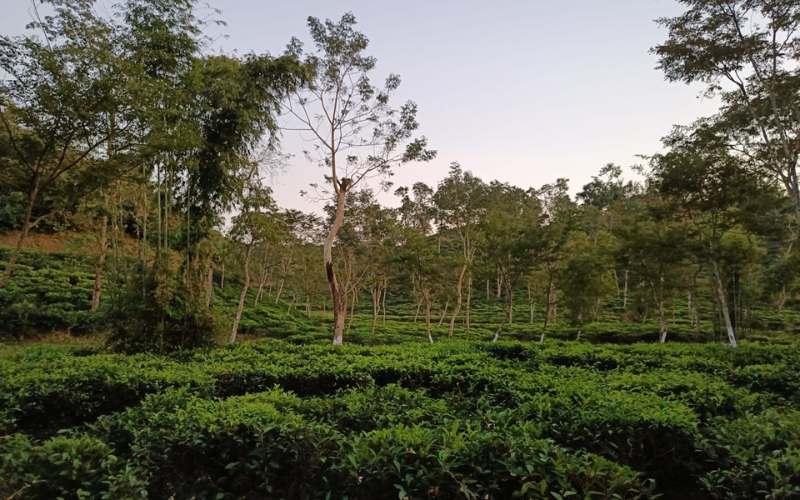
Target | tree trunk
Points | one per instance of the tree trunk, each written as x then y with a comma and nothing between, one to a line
693,315
784,296
625,292
509,304
209,283
383,300
352,315
444,313
469,302
549,315
723,305
261,283
26,227
222,276
101,263
510,299
242,295
339,305
530,305
662,323
376,305
427,298
457,308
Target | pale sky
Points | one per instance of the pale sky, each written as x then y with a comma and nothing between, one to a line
521,91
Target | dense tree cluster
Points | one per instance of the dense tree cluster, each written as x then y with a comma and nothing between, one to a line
122,126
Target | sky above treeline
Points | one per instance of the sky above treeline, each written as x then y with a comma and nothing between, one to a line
522,91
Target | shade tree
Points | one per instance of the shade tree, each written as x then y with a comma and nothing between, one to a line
356,134
726,205
460,203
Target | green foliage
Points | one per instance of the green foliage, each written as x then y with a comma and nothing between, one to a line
758,456
449,462
41,396
160,311
237,447
49,292
65,467
11,210
455,418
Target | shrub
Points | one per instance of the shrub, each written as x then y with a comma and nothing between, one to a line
648,432
756,456
377,407
78,466
158,311
452,419
453,462
706,396
780,379
241,447
41,398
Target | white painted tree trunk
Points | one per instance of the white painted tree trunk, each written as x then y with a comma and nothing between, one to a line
242,295
339,304
662,323
101,263
723,305
457,308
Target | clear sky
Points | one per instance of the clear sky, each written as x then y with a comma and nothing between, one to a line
522,91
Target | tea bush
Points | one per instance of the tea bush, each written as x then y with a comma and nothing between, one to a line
457,418
758,456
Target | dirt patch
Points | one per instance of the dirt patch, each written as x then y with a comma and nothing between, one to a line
67,242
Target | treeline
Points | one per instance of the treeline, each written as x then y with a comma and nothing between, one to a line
124,126
631,245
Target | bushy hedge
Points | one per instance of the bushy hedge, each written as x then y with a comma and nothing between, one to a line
453,419
79,466
44,299
469,462
756,456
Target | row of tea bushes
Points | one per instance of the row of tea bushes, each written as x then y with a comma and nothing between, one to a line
415,419
248,447
45,390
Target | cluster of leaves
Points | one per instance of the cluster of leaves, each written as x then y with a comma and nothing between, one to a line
459,418
159,311
49,292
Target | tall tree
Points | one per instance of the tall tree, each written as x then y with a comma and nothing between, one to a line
423,265
57,108
559,220
723,201
745,51
654,238
510,230
257,223
357,135
584,277
459,203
